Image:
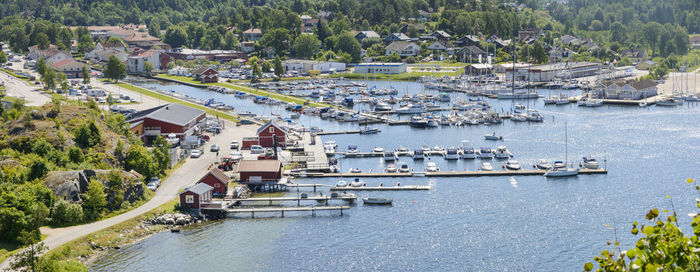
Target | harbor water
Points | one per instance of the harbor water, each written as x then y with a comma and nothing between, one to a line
462,224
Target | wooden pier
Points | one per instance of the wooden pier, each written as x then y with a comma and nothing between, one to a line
448,174
281,210
269,200
340,132
382,188
380,154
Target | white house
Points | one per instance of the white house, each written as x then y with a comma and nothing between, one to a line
136,63
304,66
404,49
631,89
380,68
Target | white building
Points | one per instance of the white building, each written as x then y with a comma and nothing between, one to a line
404,49
136,64
631,89
550,72
380,68
304,66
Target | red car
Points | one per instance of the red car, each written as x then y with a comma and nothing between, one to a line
205,137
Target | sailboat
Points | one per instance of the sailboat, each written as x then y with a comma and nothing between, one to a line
563,172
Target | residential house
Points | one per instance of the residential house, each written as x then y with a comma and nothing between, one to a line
144,40
253,34
442,46
646,65
396,37
589,45
247,47
104,54
259,171
206,74
70,67
498,42
366,34
405,28
630,89
323,15
404,49
59,56
36,53
442,35
468,40
569,40
423,15
194,197
136,63
530,34
217,180
471,54
635,56
308,25
478,69
271,135
695,41
164,120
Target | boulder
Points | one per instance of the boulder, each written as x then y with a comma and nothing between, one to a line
37,115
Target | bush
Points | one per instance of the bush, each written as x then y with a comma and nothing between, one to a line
66,213
75,155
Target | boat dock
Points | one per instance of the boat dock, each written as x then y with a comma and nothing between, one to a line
379,154
281,210
448,174
341,132
382,188
269,200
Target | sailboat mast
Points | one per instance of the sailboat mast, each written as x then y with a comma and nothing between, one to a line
566,144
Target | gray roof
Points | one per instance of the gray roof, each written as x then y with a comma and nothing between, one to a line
399,36
170,113
397,46
200,188
369,34
269,123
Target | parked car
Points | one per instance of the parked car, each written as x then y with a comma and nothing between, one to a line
153,185
234,144
155,180
214,129
214,148
246,122
256,149
236,155
195,153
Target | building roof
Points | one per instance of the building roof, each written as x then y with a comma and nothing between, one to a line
218,174
201,70
199,188
137,36
63,63
270,123
442,33
259,166
475,50
380,64
636,84
252,31
171,113
399,36
369,34
398,46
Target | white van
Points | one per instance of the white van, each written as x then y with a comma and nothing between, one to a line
256,149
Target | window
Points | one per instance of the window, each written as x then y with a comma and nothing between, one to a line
217,185
189,199
272,130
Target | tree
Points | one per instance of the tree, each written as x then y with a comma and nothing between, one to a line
347,43
41,67
65,36
138,159
85,43
38,168
154,28
87,134
3,57
49,78
279,69
230,41
306,46
266,66
278,39
256,72
539,53
19,40
211,39
161,154
115,190
62,80
148,67
85,74
94,200
115,69
42,40
28,258
651,35
323,31
75,155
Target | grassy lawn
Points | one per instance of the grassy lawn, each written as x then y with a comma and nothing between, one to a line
171,99
17,76
7,249
253,91
441,63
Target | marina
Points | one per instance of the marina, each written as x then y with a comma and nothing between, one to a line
449,174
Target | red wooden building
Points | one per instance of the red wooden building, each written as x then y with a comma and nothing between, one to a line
260,171
217,180
206,75
165,120
193,197
270,131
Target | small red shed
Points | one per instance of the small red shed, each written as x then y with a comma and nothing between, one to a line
269,132
193,197
216,179
260,171
247,142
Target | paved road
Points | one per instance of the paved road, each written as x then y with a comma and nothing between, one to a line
21,89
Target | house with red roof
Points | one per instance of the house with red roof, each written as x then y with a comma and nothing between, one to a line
217,180
70,67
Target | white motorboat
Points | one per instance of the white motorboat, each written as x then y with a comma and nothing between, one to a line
418,154
493,137
352,149
502,153
431,167
438,148
355,170
551,100
451,154
402,149
669,102
410,109
590,163
377,201
378,150
594,103
643,104
391,168
357,183
404,168
382,106
559,164
369,131
485,166
389,156
485,153
330,144
543,164
468,153
341,183
513,165
418,122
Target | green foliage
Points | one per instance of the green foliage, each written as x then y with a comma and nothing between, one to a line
3,57
278,39
85,74
28,259
85,43
64,213
266,66
38,168
230,41
115,69
75,155
277,65
148,67
306,46
347,43
94,200
175,36
87,134
256,72
662,247
138,159
161,154
115,190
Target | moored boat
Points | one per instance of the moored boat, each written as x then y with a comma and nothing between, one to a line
377,201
